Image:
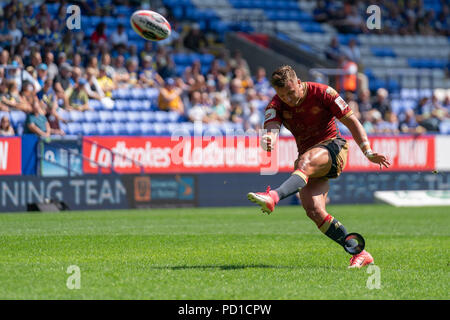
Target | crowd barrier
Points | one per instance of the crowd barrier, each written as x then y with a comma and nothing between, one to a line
104,172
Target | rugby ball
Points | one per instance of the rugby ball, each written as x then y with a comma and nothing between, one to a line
150,25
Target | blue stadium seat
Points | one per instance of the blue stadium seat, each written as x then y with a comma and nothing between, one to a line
133,129
120,116
118,128
104,128
134,116
137,93
77,116
147,129
173,116
106,116
444,127
74,128
17,117
122,105
136,105
161,116
91,116
89,129
182,59
161,129
95,104
147,116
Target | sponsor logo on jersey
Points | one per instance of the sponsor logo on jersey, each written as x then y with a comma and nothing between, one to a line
341,103
270,114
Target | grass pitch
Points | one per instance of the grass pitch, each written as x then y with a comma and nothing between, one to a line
222,253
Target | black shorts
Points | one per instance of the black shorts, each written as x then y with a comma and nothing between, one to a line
338,150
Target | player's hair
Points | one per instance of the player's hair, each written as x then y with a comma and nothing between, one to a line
282,75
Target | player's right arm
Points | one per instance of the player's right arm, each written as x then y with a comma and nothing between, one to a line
272,124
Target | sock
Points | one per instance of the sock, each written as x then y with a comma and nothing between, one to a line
292,185
334,230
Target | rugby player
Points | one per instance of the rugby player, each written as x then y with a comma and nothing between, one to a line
308,110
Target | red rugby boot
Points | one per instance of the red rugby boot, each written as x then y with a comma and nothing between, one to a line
360,260
267,200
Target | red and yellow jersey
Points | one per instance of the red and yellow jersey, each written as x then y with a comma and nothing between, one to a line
313,119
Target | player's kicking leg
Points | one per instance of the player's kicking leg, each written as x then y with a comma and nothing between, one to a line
315,162
313,197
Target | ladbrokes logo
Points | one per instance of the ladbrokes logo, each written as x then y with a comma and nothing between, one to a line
142,190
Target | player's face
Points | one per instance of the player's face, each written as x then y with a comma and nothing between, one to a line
291,94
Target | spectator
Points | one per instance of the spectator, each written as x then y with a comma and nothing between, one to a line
237,61
195,40
170,97
364,102
42,74
106,63
49,105
133,54
410,125
6,128
77,62
78,98
237,112
429,114
106,84
121,75
119,37
254,119
352,51
63,83
198,111
237,91
381,102
320,13
219,110
352,23
5,36
43,13
261,83
92,87
99,35
132,69
36,122
390,125
148,77
333,51
14,32
148,50
52,67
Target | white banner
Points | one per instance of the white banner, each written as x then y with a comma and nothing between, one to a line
416,198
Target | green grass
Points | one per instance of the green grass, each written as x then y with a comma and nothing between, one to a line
222,253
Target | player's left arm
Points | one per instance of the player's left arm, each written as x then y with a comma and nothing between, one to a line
360,136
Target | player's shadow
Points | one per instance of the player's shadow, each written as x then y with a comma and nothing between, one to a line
222,267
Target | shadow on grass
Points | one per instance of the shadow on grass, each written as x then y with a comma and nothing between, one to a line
232,267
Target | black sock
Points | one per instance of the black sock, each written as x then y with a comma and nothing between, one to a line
334,230
292,185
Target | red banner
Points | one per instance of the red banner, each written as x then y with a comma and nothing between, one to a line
10,155
405,153
236,154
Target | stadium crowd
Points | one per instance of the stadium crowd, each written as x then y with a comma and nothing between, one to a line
399,17
46,68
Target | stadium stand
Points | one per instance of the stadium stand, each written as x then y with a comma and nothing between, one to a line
407,59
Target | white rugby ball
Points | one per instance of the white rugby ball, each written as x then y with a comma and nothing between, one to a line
150,25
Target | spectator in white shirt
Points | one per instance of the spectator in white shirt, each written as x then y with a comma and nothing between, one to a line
14,32
119,38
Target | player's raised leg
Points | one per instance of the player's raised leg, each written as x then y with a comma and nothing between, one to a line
315,162
313,197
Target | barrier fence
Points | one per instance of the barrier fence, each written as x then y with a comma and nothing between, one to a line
214,172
